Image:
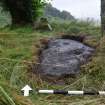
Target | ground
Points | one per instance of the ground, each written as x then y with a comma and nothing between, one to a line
18,52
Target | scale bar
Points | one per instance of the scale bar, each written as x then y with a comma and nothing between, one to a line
71,92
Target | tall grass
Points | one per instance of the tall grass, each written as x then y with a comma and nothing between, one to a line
6,96
76,27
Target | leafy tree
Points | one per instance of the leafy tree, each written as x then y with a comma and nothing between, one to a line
23,11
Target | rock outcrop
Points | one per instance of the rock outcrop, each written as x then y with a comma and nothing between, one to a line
64,57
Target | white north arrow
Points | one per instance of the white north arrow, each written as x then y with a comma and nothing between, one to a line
26,90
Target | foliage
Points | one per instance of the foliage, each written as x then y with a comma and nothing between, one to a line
23,11
37,8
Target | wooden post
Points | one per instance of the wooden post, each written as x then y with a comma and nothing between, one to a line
103,17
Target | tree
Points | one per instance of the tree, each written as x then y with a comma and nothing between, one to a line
23,11
103,16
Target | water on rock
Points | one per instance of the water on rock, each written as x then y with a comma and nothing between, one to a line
64,57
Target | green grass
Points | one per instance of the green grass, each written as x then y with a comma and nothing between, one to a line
76,27
17,53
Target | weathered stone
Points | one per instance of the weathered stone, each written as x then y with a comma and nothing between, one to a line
64,57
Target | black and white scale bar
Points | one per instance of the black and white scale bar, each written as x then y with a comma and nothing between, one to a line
70,92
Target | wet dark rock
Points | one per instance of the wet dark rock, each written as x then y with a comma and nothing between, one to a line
64,57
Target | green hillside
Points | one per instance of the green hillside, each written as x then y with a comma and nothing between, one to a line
51,11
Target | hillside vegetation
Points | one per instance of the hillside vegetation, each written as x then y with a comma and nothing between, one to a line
51,11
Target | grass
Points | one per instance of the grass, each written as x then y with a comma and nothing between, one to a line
76,27
17,53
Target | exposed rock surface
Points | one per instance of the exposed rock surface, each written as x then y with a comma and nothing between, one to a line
64,57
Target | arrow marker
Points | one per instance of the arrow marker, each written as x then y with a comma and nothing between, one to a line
26,90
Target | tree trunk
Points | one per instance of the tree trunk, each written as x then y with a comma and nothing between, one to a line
20,11
103,16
